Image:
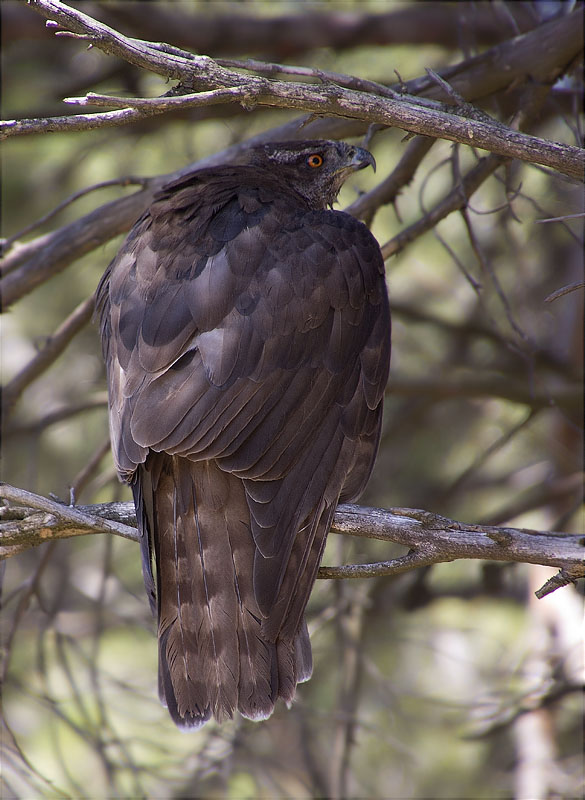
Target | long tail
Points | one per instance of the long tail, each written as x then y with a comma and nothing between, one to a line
213,658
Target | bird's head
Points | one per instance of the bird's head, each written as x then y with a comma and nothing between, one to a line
316,169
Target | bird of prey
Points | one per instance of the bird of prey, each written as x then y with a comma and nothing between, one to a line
246,333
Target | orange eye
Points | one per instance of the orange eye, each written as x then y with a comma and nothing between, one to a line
315,160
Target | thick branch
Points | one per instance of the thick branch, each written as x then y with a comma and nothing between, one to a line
69,518
435,539
331,99
540,53
239,31
30,520
535,53
400,113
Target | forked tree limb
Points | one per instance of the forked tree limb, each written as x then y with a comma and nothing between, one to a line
541,53
204,81
29,520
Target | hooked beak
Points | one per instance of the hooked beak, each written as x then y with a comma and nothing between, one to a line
362,159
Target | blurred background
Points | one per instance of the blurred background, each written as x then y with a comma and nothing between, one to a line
448,682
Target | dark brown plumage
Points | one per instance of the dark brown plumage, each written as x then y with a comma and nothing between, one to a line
246,334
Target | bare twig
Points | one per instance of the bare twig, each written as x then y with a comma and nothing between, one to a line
156,105
166,61
87,472
30,264
488,269
562,578
31,586
510,714
477,328
580,215
75,122
564,488
52,349
455,200
468,184
564,290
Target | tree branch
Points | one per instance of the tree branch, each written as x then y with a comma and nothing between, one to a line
29,520
540,53
299,33
331,99
52,349
568,395
456,199
37,426
170,62
124,181
69,518
535,53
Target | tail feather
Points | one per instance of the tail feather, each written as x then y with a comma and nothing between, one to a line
180,614
303,654
295,663
214,657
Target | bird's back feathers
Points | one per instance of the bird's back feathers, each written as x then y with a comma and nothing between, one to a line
246,338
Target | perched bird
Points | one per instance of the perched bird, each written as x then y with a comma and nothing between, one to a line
246,334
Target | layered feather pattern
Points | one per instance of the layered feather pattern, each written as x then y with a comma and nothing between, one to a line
246,337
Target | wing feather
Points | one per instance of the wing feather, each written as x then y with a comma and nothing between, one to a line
247,336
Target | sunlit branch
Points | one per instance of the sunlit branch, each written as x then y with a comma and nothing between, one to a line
431,538
330,98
